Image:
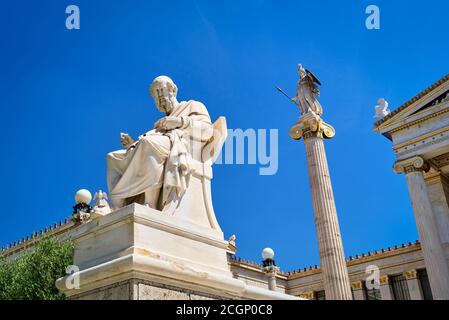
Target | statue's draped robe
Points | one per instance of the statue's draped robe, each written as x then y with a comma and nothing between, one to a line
306,96
159,158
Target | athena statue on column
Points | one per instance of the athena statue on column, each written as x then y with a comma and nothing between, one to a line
307,92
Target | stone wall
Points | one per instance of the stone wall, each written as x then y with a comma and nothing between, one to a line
137,289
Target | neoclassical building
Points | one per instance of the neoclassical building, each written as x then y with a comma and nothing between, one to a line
419,133
402,270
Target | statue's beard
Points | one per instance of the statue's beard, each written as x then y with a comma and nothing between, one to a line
165,106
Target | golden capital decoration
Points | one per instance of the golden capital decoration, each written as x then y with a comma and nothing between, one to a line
410,165
307,295
411,274
311,125
357,285
383,280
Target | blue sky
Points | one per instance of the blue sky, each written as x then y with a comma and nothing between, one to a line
66,95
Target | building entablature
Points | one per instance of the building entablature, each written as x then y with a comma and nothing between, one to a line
421,125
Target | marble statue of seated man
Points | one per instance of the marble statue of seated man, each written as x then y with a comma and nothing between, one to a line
153,168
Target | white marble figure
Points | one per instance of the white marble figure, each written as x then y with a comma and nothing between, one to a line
307,91
101,204
382,108
155,169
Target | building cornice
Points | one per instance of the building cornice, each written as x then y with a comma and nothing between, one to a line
361,259
52,230
351,261
253,266
412,101
419,139
419,120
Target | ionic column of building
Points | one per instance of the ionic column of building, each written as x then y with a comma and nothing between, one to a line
386,292
333,265
437,186
414,287
433,252
357,290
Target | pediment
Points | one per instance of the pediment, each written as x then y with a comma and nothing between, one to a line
430,101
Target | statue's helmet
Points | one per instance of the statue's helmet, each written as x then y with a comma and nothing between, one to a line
301,71
161,82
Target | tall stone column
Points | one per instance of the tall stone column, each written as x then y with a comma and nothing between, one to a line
333,265
433,252
437,187
414,287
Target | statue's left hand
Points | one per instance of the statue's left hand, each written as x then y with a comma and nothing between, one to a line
168,123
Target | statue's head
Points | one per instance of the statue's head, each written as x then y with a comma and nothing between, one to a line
382,102
164,91
301,71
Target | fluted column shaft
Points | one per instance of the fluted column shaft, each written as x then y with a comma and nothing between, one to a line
313,130
333,264
433,252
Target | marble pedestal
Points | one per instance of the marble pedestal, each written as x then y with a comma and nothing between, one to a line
139,253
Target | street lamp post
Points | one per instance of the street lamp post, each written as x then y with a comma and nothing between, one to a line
82,209
269,267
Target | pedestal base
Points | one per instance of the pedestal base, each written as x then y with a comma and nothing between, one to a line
139,253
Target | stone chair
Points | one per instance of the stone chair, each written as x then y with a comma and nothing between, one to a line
196,203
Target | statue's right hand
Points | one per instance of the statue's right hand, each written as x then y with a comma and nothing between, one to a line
126,140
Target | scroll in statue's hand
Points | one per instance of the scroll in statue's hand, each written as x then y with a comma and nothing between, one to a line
126,140
168,123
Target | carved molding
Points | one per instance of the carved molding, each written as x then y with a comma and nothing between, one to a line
409,165
311,125
440,161
414,147
413,142
416,122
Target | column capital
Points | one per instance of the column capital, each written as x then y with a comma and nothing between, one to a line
357,285
311,125
307,295
384,280
411,274
409,165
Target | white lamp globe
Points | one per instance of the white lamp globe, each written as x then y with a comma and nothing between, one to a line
267,254
83,196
